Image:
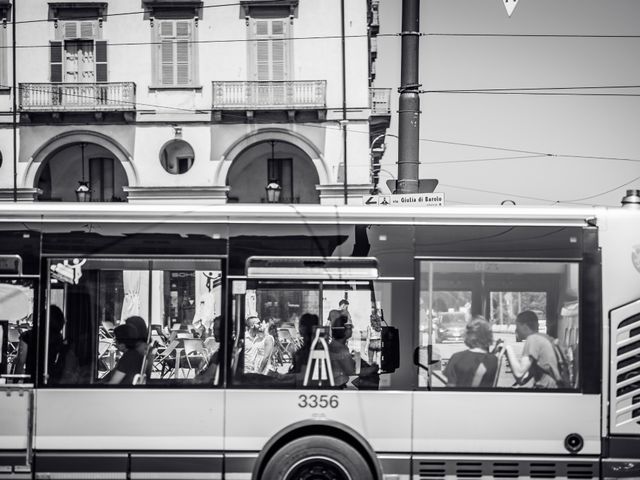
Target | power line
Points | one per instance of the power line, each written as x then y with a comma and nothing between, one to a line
201,42
530,35
530,153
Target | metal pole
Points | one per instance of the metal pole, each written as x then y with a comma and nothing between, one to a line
409,112
15,103
344,105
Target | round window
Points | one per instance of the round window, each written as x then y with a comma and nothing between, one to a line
176,157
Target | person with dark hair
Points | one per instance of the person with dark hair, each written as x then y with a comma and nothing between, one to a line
209,374
342,363
474,367
26,358
305,328
539,360
127,339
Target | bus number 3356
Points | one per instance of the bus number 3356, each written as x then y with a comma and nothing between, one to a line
318,401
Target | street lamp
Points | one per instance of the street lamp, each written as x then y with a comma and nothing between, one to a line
375,162
273,191
83,192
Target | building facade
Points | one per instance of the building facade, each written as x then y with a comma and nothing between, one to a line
189,101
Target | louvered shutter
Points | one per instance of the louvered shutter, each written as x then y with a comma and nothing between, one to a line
278,52
101,61
262,50
55,61
71,30
183,53
86,29
166,53
271,49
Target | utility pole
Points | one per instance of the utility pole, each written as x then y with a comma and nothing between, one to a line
409,112
343,123
14,91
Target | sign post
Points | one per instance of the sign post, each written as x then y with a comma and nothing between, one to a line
406,199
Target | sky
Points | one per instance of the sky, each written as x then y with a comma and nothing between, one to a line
555,145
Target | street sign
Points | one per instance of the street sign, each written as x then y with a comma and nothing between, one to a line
406,199
510,5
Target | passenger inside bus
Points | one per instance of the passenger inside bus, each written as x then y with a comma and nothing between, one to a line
131,361
474,367
539,359
258,346
26,357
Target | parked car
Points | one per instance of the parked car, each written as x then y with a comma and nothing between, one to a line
451,327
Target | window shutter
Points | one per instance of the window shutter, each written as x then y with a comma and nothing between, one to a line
86,29
71,29
166,53
183,50
278,51
55,56
101,61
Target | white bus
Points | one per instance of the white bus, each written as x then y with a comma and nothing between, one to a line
217,383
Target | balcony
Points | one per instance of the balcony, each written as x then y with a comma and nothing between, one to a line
296,98
97,98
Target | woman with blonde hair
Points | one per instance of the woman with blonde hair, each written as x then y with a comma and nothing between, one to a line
475,367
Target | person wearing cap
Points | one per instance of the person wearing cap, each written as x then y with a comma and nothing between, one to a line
342,363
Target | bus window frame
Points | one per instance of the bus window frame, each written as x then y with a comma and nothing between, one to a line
584,385
43,331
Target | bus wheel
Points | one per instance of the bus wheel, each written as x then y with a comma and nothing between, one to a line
317,458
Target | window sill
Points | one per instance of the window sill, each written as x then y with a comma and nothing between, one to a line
153,88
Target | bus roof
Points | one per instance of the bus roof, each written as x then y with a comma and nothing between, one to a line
290,213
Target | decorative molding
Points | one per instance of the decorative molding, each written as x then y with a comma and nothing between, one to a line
23,194
169,8
248,8
208,195
77,10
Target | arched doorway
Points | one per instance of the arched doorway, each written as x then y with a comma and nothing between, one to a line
60,174
273,161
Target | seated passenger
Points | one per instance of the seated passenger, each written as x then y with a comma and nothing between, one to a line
305,328
26,357
130,363
474,367
209,373
258,346
539,359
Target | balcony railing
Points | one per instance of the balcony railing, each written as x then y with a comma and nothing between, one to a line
74,97
380,101
289,95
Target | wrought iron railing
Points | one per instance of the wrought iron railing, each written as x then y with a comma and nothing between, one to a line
380,101
115,96
299,94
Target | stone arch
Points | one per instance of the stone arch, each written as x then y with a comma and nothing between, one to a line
266,135
65,139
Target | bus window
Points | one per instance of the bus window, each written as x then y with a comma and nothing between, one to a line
278,322
17,362
499,324
134,321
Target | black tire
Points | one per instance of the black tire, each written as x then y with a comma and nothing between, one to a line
317,458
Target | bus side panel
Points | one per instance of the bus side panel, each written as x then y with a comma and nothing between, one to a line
505,422
382,417
129,420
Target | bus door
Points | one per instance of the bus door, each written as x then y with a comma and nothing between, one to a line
310,358
17,294
137,393
468,399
